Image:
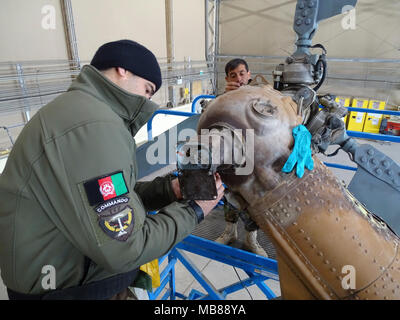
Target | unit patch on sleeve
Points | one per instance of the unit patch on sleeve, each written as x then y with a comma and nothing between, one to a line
116,218
108,204
104,188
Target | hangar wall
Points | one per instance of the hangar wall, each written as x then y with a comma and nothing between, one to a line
100,21
96,22
33,34
22,35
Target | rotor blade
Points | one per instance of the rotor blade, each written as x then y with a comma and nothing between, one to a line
332,8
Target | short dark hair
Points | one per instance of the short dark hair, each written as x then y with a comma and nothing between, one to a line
233,64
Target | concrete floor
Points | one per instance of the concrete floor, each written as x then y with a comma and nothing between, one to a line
221,274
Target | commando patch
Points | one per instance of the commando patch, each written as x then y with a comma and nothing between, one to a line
117,221
110,203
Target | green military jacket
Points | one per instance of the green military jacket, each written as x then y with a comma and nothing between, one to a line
69,191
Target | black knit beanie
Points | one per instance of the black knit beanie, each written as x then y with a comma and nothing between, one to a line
131,56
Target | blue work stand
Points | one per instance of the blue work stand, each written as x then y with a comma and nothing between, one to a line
258,269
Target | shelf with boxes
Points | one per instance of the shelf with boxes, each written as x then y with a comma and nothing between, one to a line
371,120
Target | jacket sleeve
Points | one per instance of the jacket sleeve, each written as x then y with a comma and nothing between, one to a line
116,233
156,194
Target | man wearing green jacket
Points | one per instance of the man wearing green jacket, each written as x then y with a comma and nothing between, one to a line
73,221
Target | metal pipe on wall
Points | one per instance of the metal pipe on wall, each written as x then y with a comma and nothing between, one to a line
216,42
26,112
69,27
211,16
169,24
361,60
206,29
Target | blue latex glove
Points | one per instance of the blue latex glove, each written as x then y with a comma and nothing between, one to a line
301,153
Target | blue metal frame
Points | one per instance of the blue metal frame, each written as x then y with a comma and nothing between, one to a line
367,110
257,268
355,134
339,166
175,113
203,96
169,112
374,136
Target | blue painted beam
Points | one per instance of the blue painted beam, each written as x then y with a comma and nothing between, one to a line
340,166
239,258
168,112
374,136
203,96
386,112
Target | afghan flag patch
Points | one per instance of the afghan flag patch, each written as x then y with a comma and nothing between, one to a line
104,188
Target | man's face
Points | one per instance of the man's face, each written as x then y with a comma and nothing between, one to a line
140,86
134,84
239,75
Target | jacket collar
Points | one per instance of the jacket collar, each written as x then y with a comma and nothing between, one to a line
134,109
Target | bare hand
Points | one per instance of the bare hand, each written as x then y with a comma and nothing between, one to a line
230,86
208,205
